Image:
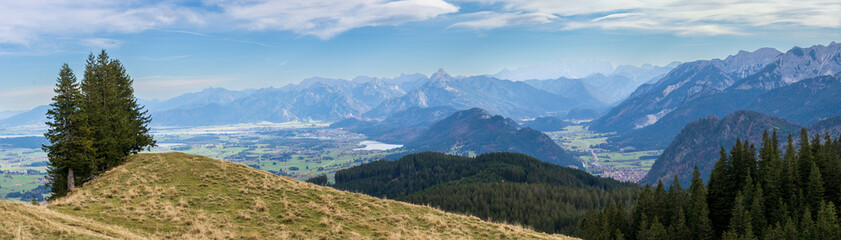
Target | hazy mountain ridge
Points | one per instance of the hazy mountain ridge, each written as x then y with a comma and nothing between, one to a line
514,99
475,131
399,127
605,88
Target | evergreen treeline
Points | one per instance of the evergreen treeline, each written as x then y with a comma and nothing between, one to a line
772,193
93,124
508,187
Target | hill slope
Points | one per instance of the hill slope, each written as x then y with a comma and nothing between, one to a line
23,221
182,196
700,141
502,186
475,131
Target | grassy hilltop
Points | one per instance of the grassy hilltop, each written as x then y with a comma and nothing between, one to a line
180,196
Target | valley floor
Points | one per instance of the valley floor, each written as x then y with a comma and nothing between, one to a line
623,165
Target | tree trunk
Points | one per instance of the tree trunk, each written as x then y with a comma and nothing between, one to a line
70,180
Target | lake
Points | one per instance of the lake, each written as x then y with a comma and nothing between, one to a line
378,146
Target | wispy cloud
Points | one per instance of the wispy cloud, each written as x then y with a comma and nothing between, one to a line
103,43
22,22
681,17
327,18
490,20
25,22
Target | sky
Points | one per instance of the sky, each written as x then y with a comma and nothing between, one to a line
171,47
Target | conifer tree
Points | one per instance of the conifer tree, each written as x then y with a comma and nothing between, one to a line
804,158
757,211
807,225
815,189
741,218
119,124
71,149
827,223
720,190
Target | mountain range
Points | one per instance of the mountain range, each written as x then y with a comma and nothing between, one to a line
761,80
509,98
601,90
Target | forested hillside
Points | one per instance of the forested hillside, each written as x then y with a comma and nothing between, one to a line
506,187
772,193
475,131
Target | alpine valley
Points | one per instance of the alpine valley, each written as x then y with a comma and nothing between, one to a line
581,149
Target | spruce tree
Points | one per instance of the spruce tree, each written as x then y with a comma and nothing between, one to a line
815,188
807,225
827,223
757,211
804,158
71,149
119,124
741,218
720,191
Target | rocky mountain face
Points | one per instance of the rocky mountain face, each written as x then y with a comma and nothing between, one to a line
655,113
476,131
514,99
685,83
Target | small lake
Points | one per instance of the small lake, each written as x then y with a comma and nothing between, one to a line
377,146
169,145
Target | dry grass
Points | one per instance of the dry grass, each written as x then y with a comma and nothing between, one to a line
23,221
179,196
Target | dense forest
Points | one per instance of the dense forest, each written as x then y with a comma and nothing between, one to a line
772,193
507,187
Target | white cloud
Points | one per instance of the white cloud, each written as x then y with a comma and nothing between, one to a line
22,22
681,17
490,20
327,18
103,43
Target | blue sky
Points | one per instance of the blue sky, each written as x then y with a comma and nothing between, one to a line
172,47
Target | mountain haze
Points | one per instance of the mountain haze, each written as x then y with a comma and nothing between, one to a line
475,131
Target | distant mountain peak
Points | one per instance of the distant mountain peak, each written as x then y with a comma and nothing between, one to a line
476,112
441,75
